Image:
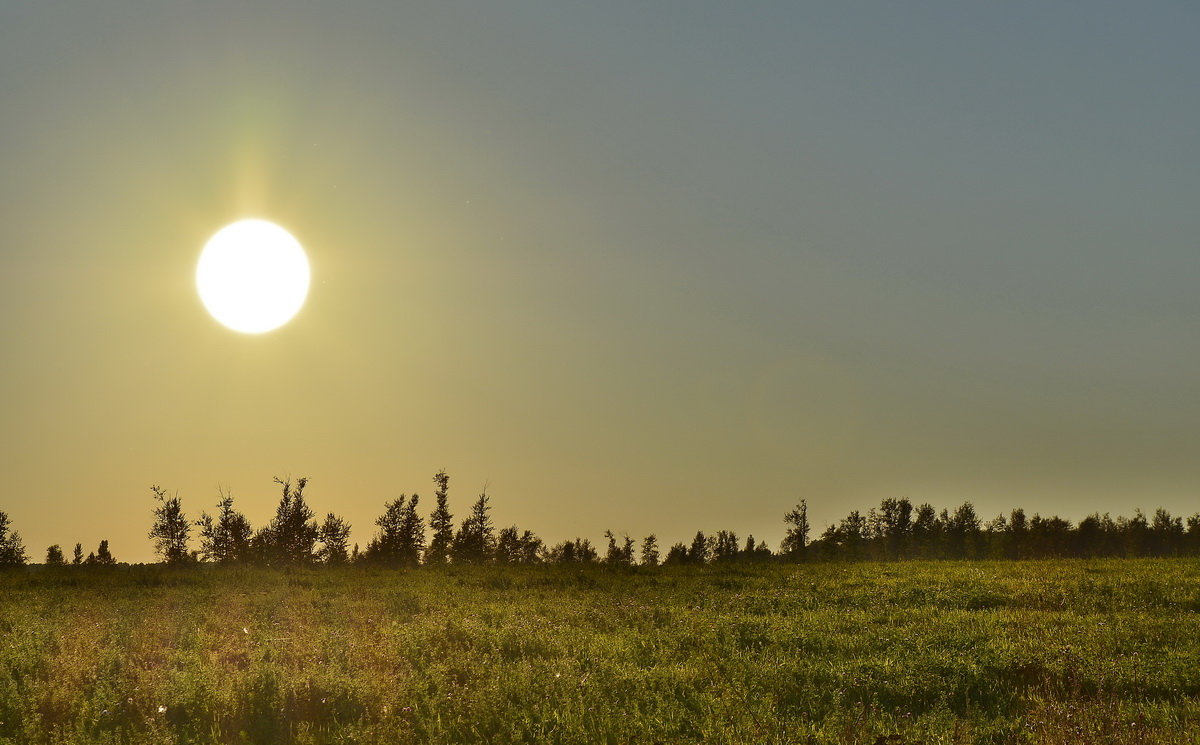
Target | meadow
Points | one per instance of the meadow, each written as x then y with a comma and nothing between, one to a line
1058,651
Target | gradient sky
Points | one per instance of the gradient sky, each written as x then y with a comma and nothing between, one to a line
653,267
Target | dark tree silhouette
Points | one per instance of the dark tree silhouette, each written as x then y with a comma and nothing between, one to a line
225,538
54,556
12,549
475,541
756,551
441,523
650,551
618,555
926,531
102,557
700,550
508,546
334,536
513,547
579,550
795,541
77,557
171,528
677,554
291,536
725,546
963,532
896,524
401,537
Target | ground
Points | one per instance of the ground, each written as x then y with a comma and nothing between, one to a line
974,652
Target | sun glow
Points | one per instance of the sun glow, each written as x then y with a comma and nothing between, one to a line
253,276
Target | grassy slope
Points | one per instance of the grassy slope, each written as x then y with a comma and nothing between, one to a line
1067,651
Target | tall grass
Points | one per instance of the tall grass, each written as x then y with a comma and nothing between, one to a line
1051,652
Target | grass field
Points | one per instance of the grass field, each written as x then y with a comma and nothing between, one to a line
1054,652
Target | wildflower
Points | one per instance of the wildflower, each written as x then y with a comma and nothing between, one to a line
162,709
245,630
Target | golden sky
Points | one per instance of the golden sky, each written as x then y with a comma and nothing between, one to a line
641,269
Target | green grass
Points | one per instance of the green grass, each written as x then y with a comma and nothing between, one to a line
1051,652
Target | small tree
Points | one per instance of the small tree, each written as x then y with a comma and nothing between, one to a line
508,546
725,547
650,550
401,537
700,550
795,541
475,541
441,523
579,550
171,528
102,557
226,538
77,558
677,554
618,555
54,556
335,540
12,549
291,536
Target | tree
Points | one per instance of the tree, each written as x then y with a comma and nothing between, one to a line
12,549
725,546
508,546
756,551
171,528
441,523
77,558
291,536
650,551
926,531
226,538
795,541
963,532
579,550
677,554
335,540
1166,534
475,541
54,556
896,518
401,537
102,556
1017,543
700,550
618,555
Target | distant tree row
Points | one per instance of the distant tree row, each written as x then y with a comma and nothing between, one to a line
896,530
900,530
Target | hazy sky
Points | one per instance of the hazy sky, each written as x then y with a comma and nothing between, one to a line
640,266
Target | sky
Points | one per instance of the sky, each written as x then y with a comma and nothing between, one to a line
648,267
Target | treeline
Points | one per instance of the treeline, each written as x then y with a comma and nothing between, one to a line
896,530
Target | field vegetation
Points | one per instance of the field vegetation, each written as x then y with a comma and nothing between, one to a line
1043,651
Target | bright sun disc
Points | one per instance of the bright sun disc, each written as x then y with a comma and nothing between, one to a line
253,276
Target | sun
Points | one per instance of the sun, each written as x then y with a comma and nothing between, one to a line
252,276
